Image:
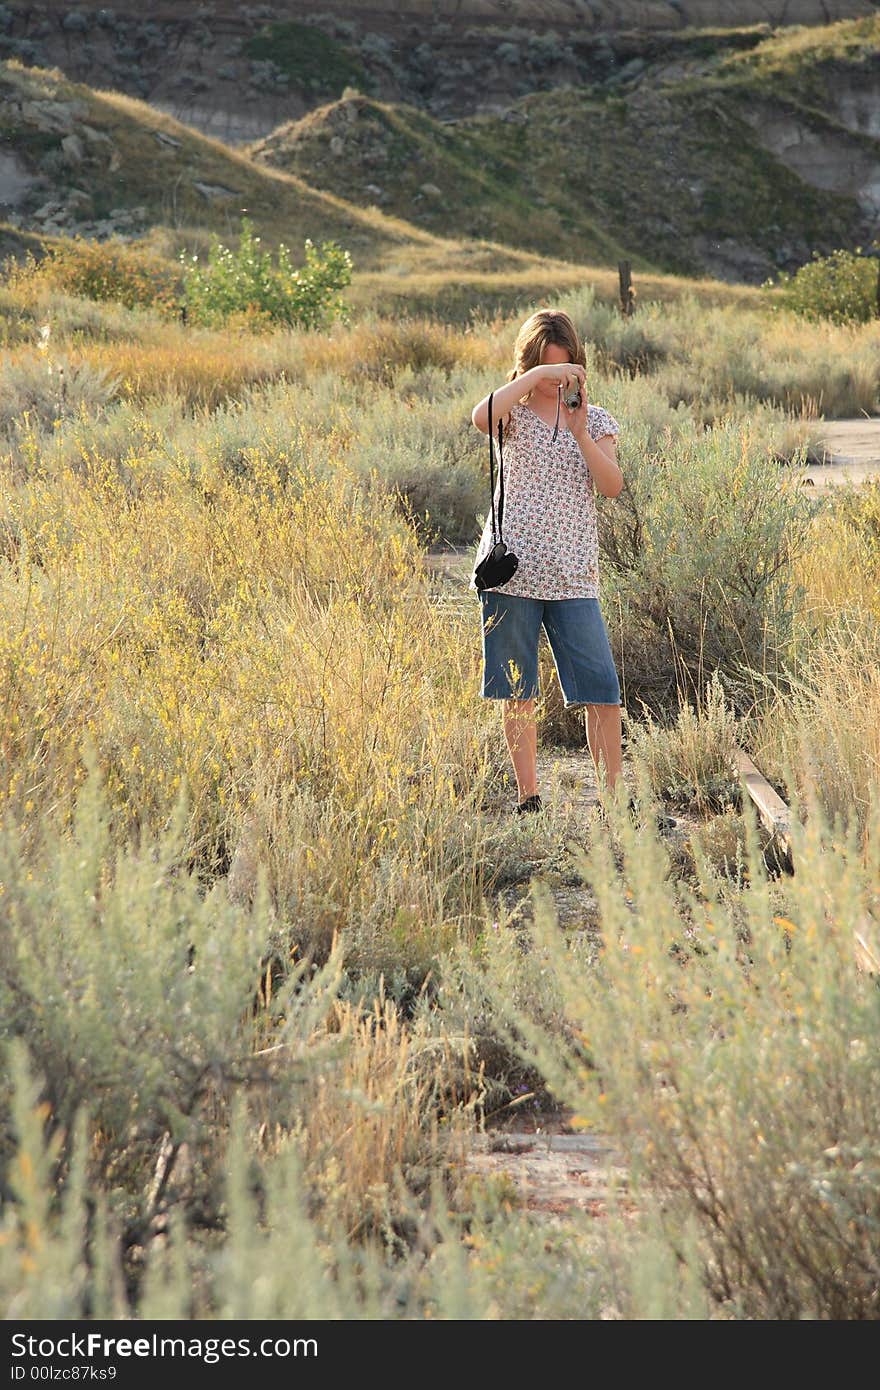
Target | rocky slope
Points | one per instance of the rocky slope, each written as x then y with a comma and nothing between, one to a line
236,71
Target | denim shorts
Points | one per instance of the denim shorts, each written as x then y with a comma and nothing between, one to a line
578,639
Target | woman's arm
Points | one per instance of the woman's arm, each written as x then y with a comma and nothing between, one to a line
601,458
506,396
599,454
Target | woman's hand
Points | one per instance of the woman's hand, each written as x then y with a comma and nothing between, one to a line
576,419
566,373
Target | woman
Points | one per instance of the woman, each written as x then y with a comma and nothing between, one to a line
550,524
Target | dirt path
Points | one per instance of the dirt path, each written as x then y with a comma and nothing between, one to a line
547,1170
552,1173
852,452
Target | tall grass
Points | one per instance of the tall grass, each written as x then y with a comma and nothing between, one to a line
258,982
690,763
728,1043
699,354
825,727
263,642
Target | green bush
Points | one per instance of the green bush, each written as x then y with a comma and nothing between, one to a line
63,1253
307,56
246,284
174,1083
842,287
131,987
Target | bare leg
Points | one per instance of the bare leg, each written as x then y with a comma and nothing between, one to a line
521,733
604,738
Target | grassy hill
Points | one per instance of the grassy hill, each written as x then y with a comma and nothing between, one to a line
589,177
117,153
98,155
668,170
102,158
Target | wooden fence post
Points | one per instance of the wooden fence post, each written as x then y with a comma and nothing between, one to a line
627,293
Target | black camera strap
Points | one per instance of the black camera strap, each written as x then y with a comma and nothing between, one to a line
496,537
558,404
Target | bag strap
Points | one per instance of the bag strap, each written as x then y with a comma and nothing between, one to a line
496,539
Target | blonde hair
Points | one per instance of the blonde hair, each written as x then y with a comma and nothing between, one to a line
537,333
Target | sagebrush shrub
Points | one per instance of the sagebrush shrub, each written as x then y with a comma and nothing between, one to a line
700,542
67,1251
51,388
107,270
727,1041
690,763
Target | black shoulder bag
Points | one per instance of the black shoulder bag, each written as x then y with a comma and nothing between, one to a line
499,565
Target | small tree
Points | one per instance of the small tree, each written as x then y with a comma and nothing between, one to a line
841,287
247,282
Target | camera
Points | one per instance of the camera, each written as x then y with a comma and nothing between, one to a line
572,397
495,568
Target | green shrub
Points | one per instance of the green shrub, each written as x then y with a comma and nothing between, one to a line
65,1253
174,1080
842,287
307,55
246,284
131,987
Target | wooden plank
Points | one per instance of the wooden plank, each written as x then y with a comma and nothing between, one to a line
776,816
867,958
772,809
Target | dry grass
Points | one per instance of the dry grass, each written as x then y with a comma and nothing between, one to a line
374,1115
689,763
263,642
826,729
457,292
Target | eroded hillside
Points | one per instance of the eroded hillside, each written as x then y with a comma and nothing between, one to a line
238,71
732,152
745,161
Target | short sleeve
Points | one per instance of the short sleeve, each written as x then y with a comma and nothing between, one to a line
601,422
510,426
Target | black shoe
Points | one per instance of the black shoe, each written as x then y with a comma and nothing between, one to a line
661,820
531,803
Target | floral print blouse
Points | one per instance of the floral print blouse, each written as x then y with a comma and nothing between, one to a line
549,507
